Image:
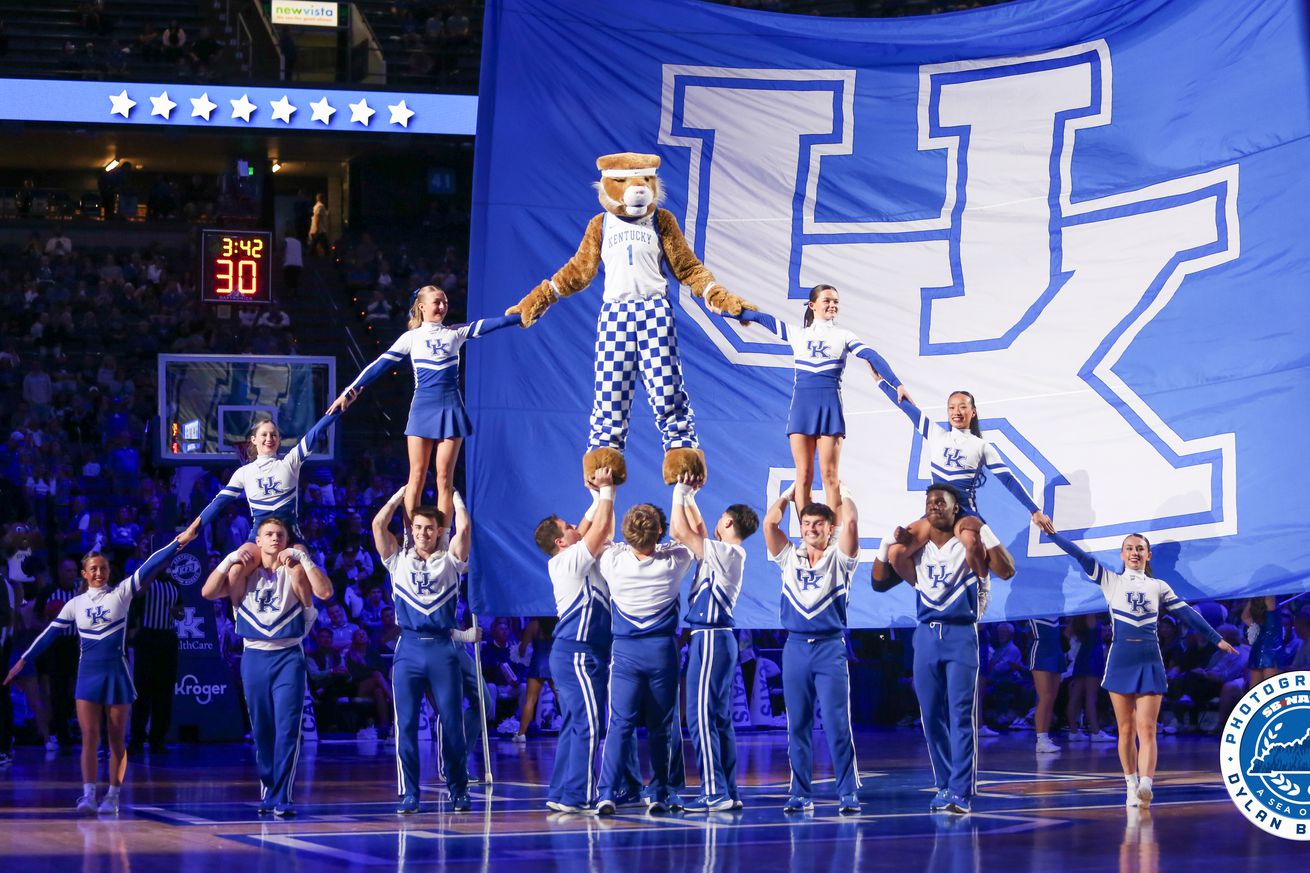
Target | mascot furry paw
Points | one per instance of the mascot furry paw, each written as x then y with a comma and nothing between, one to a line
635,240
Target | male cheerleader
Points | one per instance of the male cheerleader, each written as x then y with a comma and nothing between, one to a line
951,600
425,581
815,592
579,658
712,654
644,577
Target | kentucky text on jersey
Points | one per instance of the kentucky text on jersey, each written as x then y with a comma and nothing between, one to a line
633,258
960,459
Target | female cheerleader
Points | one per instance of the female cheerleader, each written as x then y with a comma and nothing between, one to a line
104,685
1045,662
816,420
1264,621
270,484
273,596
437,418
1134,668
960,457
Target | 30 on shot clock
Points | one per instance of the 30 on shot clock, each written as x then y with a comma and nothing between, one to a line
236,266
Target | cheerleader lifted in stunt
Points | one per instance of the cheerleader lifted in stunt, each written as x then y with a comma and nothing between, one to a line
438,422
821,350
961,458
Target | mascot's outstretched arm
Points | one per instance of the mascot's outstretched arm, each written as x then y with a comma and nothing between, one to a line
570,278
690,271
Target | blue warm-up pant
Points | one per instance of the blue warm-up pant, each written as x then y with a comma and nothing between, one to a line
581,675
422,663
711,667
946,683
274,684
815,667
643,687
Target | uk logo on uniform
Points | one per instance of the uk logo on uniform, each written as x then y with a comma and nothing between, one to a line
1137,600
97,615
1264,755
267,599
269,484
808,580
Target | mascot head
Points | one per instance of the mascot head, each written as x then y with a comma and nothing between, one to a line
628,186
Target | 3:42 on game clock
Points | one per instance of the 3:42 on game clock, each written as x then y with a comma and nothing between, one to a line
236,266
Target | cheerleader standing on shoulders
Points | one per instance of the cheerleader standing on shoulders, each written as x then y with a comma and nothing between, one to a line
438,422
961,458
821,350
1134,668
104,685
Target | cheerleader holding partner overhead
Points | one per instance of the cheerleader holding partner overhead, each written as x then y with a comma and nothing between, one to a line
437,418
1134,668
104,685
960,457
820,350
270,484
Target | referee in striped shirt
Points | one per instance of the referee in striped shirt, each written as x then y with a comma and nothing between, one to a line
58,664
154,669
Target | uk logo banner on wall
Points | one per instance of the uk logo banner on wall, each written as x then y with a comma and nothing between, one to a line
1090,214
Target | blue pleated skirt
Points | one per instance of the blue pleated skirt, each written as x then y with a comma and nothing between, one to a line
1135,667
816,411
438,415
105,682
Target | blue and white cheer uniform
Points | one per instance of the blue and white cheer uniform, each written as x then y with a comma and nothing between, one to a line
99,615
437,411
1134,664
712,665
820,354
271,485
814,602
426,594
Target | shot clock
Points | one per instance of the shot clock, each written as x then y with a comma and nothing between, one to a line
236,266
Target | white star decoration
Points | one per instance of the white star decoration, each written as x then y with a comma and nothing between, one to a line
401,114
282,110
122,104
322,111
361,112
161,105
201,106
242,108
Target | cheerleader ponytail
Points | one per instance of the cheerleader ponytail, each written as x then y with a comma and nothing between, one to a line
814,295
415,316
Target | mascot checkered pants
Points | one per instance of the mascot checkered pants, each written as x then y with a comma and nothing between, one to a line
632,335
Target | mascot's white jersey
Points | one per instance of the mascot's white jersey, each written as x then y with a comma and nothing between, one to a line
633,258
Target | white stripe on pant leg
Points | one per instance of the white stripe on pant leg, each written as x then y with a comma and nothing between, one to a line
593,719
708,784
850,726
400,769
300,728
973,714
609,719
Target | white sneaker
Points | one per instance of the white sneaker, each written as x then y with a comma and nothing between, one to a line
985,731
1102,737
367,733
1045,746
86,805
109,806
1020,724
520,739
1131,800
1145,793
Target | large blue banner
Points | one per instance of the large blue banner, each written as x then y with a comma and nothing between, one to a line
1091,214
